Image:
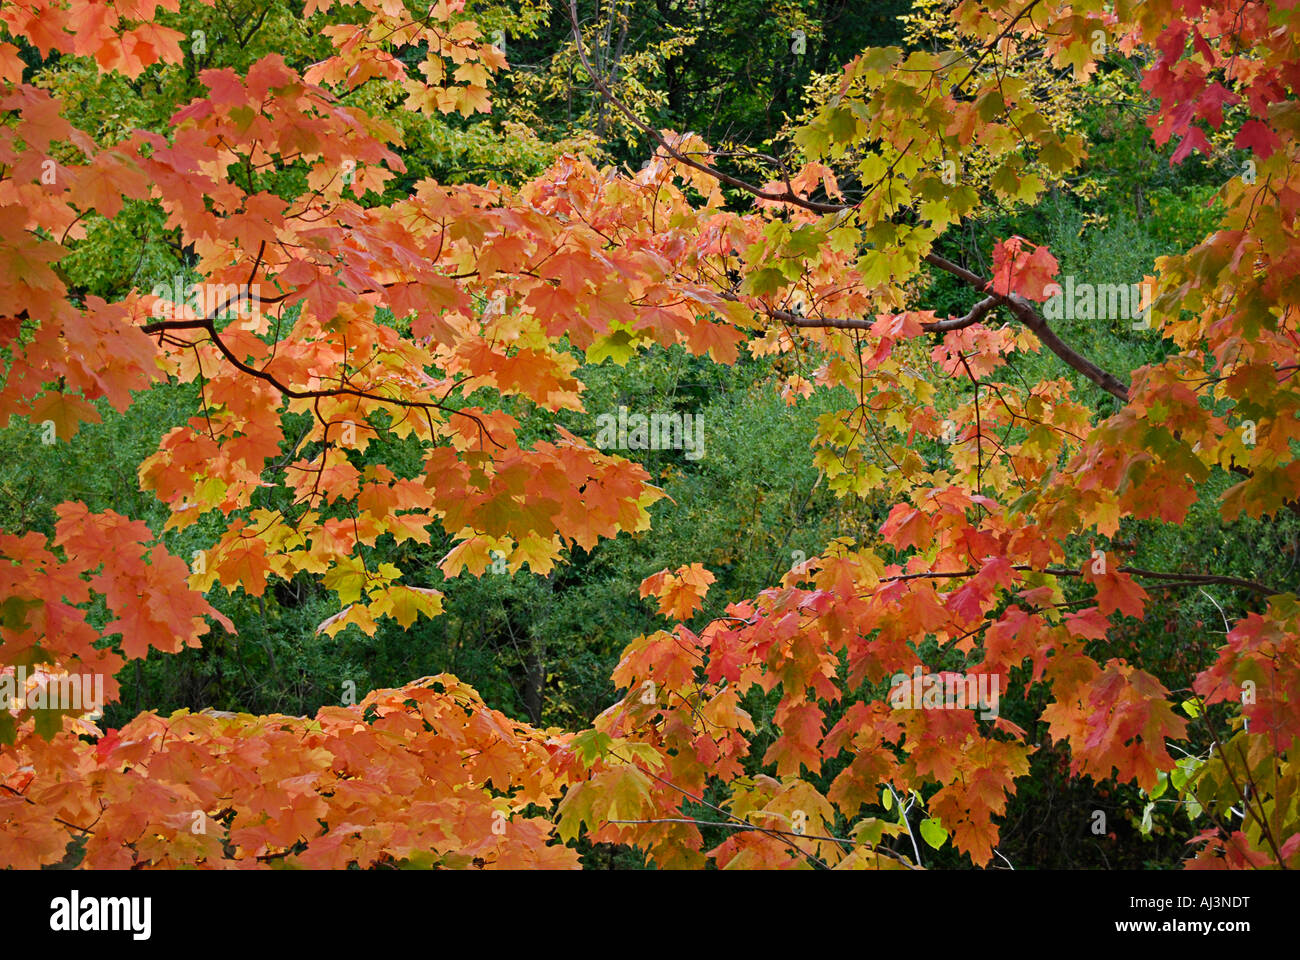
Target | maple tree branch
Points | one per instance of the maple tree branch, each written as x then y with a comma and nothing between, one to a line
789,196
1292,505
26,799
1180,579
976,314
1262,815
741,825
207,325
1177,579
902,813
1245,803
1023,310
731,816
1026,313
979,428
737,826
991,44
1019,306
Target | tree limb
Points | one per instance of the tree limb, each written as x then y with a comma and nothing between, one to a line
1026,313
1021,308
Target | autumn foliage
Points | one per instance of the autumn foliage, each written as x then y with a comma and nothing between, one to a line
415,319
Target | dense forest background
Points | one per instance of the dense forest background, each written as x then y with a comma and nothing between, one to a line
740,73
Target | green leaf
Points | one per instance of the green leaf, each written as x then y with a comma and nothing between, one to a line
843,125
346,577
872,829
618,345
49,723
937,212
13,612
887,798
1162,784
805,242
844,239
933,833
869,831
591,745
243,116
452,861
420,860
1006,179
627,790
31,656
642,751
766,281
575,810
1056,156
813,139
878,60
